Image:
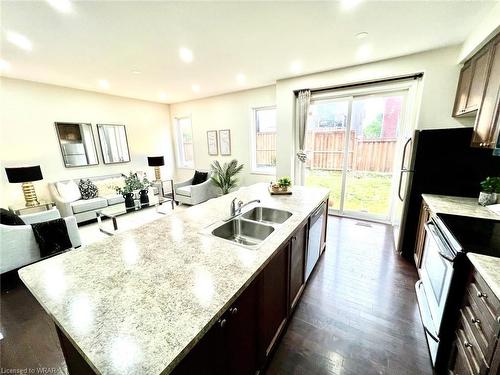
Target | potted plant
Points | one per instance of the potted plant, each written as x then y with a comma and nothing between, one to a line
489,190
225,176
132,184
282,185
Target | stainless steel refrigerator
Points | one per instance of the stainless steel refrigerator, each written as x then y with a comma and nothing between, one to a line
437,161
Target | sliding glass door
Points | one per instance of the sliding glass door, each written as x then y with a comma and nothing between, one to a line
352,143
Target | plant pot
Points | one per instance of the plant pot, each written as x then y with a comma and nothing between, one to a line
129,200
485,199
143,196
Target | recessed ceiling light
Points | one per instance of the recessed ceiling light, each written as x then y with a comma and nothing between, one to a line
19,40
349,4
364,52
136,71
361,35
63,6
186,55
241,78
196,87
163,96
104,84
296,67
4,65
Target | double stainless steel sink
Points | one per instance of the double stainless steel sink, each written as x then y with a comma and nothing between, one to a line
251,228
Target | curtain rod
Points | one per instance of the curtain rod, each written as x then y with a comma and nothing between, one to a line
385,80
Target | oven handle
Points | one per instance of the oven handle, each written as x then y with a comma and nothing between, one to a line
434,233
419,284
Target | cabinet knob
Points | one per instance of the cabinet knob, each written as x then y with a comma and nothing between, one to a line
233,310
481,294
222,323
467,344
475,320
294,238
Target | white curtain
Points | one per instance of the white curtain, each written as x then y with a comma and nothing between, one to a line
303,101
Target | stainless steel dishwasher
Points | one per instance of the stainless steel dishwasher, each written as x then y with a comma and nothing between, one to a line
314,244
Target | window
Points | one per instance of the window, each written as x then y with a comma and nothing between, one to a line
264,140
184,142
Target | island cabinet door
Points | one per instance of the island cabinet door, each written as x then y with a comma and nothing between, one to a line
298,245
241,334
272,303
207,356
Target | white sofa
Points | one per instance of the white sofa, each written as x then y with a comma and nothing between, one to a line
18,246
84,209
190,194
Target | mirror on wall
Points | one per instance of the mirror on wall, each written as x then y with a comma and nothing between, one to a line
77,144
114,145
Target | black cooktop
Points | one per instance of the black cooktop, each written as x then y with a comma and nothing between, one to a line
474,234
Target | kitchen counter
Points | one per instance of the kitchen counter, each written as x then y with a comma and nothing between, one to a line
137,302
489,268
461,206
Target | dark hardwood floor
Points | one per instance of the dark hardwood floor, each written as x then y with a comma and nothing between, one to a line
358,315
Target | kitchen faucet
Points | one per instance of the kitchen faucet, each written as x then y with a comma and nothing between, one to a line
236,207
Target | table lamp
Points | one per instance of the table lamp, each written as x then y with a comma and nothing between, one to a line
26,176
156,162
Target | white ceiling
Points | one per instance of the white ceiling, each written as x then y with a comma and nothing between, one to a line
108,40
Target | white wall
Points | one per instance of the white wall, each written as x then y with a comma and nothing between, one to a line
230,111
439,84
28,136
484,31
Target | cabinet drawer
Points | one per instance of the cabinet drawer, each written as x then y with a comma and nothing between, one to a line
469,350
462,365
470,342
485,294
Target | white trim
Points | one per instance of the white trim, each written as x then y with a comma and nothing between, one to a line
181,163
267,171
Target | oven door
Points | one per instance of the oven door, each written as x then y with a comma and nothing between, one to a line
436,272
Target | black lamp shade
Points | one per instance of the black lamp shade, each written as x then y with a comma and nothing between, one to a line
156,161
24,174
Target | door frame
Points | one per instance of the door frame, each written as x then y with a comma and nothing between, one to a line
409,118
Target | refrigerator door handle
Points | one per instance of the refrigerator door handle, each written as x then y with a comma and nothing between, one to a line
400,196
405,147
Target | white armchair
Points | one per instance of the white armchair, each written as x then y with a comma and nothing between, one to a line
190,194
18,246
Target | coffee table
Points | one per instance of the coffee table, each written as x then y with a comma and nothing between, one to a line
112,212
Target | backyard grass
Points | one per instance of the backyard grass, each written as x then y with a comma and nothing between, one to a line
366,191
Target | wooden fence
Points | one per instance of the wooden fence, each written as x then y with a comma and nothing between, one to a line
326,151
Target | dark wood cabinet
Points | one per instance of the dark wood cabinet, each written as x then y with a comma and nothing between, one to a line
297,263
272,302
476,348
230,346
486,127
471,83
419,244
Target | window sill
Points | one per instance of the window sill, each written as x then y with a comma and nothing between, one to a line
264,173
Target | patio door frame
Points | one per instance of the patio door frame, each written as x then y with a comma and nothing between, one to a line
411,91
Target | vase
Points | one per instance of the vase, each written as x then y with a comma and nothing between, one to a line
486,199
143,197
129,200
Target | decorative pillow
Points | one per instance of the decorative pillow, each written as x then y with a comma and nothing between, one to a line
68,191
87,189
199,177
108,186
10,218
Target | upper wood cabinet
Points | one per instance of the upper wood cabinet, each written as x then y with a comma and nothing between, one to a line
486,127
471,83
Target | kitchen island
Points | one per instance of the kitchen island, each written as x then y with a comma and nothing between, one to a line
140,301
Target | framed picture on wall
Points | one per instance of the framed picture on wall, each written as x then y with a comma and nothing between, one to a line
225,141
212,142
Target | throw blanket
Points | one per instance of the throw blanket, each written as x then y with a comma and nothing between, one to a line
52,236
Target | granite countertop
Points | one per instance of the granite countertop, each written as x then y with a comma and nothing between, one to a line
137,302
489,268
461,206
